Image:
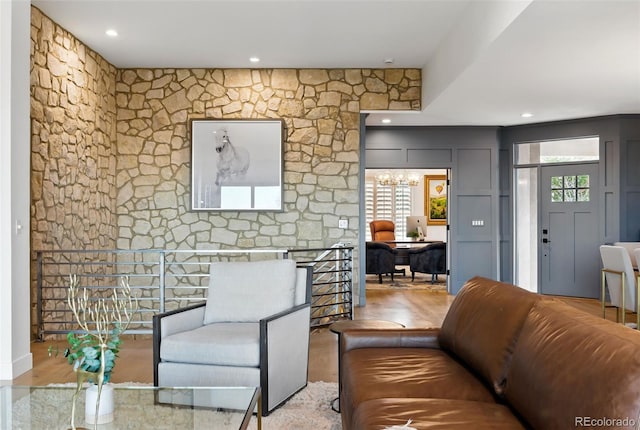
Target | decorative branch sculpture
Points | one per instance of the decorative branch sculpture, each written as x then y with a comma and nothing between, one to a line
103,319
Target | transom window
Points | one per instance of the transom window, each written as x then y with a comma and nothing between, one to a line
558,151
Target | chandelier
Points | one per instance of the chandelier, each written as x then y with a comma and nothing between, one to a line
398,178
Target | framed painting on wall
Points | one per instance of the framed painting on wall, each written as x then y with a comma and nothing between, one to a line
435,199
236,165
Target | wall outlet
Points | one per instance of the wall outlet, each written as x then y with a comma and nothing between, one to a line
343,223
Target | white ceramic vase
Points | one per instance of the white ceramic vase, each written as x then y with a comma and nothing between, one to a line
105,412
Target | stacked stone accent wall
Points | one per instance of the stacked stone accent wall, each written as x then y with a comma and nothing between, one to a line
73,158
111,158
321,109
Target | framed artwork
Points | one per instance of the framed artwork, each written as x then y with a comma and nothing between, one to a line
236,165
435,199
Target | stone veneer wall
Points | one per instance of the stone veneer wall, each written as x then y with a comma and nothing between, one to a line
73,159
73,152
321,109
111,149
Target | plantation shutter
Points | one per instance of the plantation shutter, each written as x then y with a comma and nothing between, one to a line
391,202
383,208
369,201
402,210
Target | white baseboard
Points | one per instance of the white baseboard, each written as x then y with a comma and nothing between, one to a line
9,371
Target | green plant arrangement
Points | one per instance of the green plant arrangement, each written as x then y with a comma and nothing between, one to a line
413,234
93,351
85,353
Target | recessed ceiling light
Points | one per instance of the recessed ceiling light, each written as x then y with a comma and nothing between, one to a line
526,115
111,32
254,59
386,121
388,60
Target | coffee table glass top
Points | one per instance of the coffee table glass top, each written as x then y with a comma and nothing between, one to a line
136,407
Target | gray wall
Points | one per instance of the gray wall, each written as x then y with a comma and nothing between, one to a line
505,211
619,174
472,155
481,162
630,178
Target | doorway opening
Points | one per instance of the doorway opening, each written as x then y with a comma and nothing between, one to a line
556,216
415,201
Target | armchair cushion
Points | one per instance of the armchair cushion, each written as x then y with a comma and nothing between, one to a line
233,296
234,344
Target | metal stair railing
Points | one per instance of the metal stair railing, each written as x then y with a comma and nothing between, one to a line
169,279
332,293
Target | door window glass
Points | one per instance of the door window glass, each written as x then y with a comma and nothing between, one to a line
571,188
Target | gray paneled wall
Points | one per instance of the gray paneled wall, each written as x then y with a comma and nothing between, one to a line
476,197
481,163
608,130
630,178
619,191
506,224
472,155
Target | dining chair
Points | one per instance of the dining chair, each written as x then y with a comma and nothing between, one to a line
619,279
630,247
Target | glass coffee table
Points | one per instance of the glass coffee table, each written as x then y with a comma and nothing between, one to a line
136,407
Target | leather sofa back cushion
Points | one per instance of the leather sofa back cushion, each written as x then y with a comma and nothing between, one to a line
482,326
249,291
569,364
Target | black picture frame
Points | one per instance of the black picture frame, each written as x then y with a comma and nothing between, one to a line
237,164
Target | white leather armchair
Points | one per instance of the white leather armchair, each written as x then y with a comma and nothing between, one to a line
253,330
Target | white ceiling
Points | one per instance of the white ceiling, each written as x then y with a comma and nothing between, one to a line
484,62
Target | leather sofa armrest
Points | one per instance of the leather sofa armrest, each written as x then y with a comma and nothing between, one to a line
389,338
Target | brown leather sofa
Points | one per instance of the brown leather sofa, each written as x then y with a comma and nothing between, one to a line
504,358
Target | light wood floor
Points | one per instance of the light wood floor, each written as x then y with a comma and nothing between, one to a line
409,307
